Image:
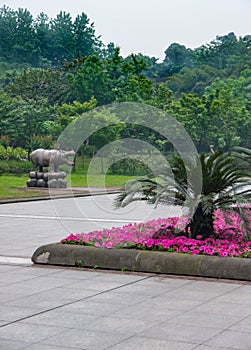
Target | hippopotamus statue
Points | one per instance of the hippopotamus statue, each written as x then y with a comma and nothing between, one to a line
53,158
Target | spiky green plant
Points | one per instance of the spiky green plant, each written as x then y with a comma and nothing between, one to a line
244,154
226,183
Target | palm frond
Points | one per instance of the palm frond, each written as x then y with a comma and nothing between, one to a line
226,183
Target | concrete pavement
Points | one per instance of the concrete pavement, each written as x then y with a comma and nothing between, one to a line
28,225
56,308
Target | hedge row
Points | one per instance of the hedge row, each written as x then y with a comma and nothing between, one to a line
15,167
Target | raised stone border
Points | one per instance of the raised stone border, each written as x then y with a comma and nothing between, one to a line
143,261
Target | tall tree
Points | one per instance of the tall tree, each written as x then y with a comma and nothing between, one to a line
7,28
218,118
20,120
178,56
84,40
18,38
40,84
61,34
41,25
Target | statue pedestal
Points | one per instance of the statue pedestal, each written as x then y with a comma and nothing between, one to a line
47,179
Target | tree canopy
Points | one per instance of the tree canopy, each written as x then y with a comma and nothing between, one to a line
54,69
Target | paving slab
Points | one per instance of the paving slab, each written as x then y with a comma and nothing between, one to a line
231,339
146,343
12,345
118,315
59,308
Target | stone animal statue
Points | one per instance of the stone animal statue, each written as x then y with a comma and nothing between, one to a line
53,158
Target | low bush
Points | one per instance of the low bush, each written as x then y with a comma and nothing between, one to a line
17,153
15,167
129,166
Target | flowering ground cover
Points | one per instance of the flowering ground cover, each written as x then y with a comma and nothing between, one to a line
231,237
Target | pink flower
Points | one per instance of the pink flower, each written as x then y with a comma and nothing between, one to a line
195,251
224,253
229,240
150,242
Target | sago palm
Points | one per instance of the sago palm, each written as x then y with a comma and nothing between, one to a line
226,184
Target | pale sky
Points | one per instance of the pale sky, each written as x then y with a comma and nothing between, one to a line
150,26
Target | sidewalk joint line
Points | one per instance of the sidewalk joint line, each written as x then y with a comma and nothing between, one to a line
73,302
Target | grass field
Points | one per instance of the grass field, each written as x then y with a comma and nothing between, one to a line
81,177
12,186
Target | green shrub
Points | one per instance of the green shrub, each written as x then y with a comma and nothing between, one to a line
129,166
2,152
4,141
15,167
4,167
10,153
41,141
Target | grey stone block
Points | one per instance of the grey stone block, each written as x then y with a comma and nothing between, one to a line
33,174
52,183
40,175
62,183
41,183
31,183
57,175
46,177
61,174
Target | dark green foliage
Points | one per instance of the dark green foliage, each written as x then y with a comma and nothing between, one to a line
221,117
129,167
244,154
40,40
21,119
41,141
46,64
37,84
193,70
44,42
7,153
15,167
18,39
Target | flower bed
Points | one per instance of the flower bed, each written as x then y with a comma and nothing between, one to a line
231,238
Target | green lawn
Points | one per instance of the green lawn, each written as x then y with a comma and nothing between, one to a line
96,179
12,186
78,180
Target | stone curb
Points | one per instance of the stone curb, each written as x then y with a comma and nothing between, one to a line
143,261
58,196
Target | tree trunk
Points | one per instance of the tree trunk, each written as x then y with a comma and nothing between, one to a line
201,224
74,163
102,165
